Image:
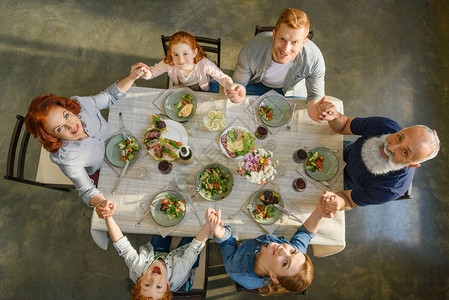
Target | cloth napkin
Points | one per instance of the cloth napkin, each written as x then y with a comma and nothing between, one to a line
272,130
267,228
331,182
160,100
165,231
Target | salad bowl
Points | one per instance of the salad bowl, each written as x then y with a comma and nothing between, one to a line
214,182
329,164
160,216
262,213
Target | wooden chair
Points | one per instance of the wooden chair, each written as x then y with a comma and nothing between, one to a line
268,28
209,45
48,174
240,288
199,288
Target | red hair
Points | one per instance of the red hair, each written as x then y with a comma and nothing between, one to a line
186,38
135,292
37,114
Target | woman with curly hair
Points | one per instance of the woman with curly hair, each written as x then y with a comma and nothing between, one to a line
74,132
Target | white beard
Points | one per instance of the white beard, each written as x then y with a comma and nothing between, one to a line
373,159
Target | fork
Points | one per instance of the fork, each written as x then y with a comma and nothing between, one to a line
289,124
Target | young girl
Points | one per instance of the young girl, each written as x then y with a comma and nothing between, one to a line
155,270
268,263
187,65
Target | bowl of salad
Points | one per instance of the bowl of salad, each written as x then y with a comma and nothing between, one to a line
274,111
236,141
262,209
321,164
119,150
214,182
168,208
180,106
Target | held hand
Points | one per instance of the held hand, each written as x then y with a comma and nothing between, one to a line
236,93
331,202
327,111
137,70
105,209
312,109
213,218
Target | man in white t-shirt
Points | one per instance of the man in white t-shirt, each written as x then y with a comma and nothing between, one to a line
286,62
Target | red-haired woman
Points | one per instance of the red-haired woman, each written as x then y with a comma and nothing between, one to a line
186,64
74,132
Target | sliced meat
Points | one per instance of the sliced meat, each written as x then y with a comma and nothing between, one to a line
239,133
224,142
158,151
152,134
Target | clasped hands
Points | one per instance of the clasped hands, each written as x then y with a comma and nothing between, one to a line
105,209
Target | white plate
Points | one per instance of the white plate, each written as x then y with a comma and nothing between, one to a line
175,131
224,133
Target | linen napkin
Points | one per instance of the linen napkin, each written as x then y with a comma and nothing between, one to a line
331,182
272,130
160,100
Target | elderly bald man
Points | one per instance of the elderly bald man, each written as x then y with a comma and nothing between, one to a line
381,163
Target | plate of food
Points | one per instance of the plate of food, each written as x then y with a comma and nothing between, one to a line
168,208
120,149
262,209
164,139
180,106
274,111
236,141
214,182
321,164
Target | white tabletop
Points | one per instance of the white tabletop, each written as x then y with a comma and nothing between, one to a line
133,194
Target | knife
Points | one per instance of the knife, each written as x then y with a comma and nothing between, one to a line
122,174
287,212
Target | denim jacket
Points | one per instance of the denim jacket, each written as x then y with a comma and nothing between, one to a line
255,59
239,260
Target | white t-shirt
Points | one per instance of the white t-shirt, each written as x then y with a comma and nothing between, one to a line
190,81
275,75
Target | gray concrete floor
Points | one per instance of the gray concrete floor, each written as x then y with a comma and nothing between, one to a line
387,58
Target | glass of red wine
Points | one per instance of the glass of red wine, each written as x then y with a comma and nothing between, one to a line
299,184
165,167
261,132
299,156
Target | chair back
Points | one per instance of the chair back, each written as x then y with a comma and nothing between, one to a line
269,28
15,164
209,45
199,288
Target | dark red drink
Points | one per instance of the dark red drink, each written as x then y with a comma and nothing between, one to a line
299,184
165,167
261,132
300,156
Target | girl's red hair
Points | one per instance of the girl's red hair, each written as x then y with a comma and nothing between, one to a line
37,114
186,38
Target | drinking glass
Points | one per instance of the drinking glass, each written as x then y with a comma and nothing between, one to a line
165,167
261,132
194,128
299,184
142,173
280,171
271,145
299,156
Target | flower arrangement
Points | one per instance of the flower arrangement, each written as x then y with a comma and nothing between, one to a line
257,166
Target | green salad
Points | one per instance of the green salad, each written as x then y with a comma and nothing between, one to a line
172,207
263,212
239,141
213,182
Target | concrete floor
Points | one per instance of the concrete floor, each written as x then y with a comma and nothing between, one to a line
387,58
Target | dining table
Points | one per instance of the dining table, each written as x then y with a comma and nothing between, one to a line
135,192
